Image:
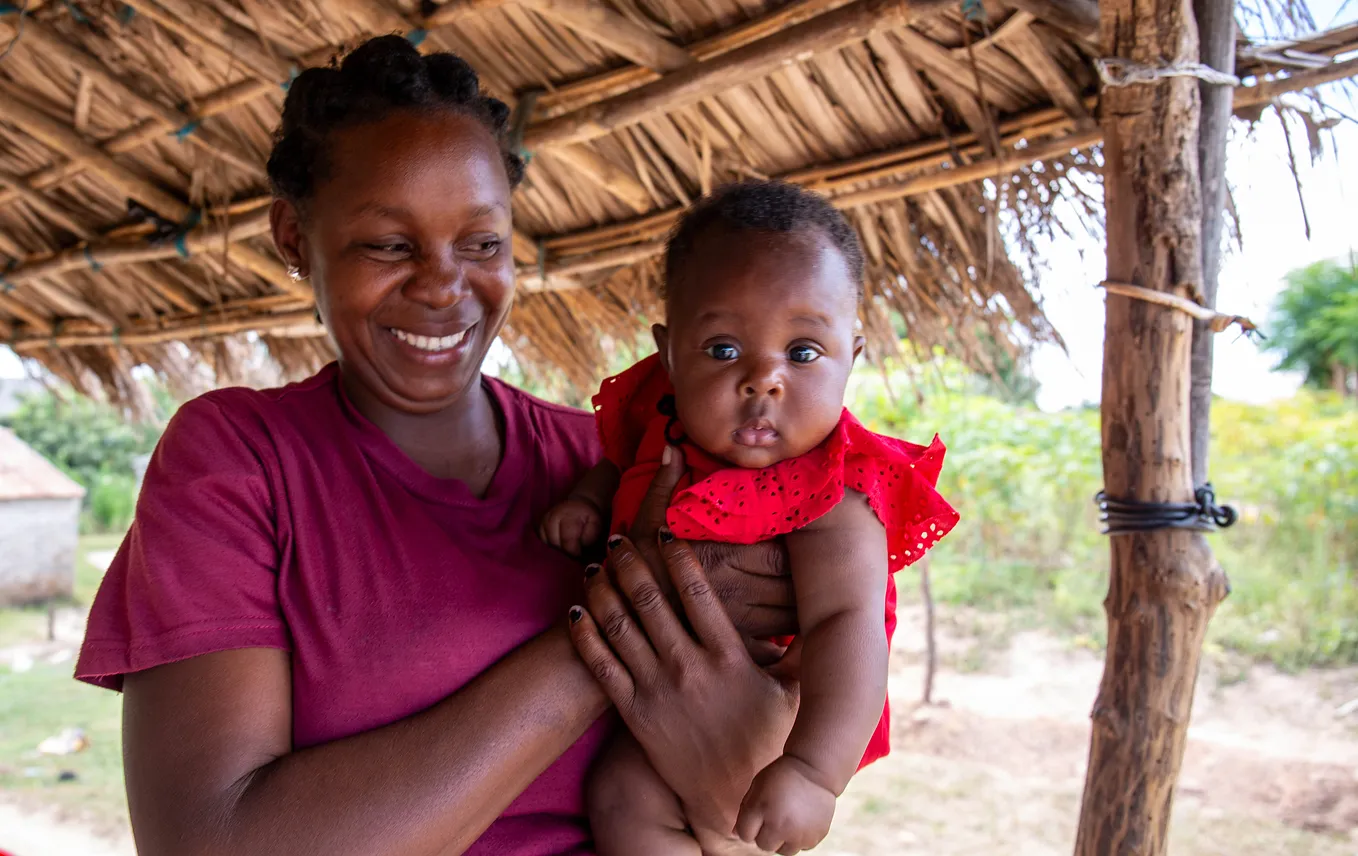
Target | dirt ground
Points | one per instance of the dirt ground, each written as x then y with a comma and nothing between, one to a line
998,765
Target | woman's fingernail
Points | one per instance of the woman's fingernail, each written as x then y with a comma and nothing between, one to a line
667,455
614,541
576,614
666,536
591,571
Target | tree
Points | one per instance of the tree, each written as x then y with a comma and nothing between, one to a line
1315,325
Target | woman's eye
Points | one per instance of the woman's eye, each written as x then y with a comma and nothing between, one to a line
390,249
725,353
482,248
803,354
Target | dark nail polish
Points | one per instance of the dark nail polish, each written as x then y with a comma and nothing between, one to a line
666,536
576,614
614,541
591,571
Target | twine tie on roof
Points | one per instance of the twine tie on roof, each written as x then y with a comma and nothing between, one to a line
92,261
417,37
293,71
183,133
1116,72
5,285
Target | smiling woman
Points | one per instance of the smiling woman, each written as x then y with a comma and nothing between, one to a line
334,626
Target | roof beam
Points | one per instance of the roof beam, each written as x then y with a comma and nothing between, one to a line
64,140
688,85
38,34
1078,18
223,241
22,189
184,328
600,23
572,96
1024,44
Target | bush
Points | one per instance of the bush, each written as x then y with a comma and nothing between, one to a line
1024,483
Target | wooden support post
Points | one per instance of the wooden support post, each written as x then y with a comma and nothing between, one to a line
1216,36
1165,584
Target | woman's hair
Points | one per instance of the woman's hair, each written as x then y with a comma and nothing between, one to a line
380,76
768,206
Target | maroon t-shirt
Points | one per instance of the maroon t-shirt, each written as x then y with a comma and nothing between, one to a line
285,519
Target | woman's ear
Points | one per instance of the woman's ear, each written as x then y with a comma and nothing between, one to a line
662,344
858,344
286,225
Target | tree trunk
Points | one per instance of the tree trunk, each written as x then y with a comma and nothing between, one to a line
1164,584
1216,33
930,638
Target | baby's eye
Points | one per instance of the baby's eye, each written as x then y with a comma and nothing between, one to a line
725,353
803,354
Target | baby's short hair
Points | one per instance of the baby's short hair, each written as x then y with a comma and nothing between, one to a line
771,206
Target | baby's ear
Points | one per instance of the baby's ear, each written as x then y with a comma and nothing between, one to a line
858,344
662,344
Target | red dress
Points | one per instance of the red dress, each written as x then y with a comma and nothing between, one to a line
719,502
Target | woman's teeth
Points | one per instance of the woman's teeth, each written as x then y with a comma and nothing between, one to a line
430,343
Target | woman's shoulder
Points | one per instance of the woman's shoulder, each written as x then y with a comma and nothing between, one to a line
555,426
252,412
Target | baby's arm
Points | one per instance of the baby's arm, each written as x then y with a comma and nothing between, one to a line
839,572
578,521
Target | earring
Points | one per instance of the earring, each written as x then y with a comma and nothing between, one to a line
294,273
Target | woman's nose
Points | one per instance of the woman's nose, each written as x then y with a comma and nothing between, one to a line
438,284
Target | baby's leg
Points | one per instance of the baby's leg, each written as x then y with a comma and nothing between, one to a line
631,809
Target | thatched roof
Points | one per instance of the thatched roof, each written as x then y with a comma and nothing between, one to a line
24,474
132,140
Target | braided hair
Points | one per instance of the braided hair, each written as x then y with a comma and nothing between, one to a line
380,76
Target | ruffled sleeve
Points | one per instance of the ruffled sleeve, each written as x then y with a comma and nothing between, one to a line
624,406
745,506
899,481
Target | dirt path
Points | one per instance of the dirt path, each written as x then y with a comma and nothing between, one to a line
1271,766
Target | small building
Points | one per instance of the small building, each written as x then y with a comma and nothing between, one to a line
39,525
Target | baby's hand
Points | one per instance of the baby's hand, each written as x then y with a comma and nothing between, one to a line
573,525
786,811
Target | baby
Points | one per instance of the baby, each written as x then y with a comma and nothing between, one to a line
763,281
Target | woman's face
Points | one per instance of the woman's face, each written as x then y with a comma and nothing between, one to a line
407,245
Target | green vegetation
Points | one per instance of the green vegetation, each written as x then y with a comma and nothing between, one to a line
1315,325
1029,542
93,444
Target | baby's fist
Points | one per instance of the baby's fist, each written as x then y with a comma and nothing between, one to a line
785,811
573,525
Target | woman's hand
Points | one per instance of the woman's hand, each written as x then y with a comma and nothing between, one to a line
708,718
753,582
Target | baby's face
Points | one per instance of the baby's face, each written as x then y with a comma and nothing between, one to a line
760,343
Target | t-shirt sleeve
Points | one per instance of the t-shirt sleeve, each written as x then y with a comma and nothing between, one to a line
198,570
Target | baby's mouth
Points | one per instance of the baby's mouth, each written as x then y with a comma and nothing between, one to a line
758,433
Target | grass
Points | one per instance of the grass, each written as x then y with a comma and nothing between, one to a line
38,704
42,701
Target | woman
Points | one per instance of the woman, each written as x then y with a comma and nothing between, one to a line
334,627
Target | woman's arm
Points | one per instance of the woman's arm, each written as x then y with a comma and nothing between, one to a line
210,767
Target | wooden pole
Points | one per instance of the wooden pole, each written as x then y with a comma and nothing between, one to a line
1165,584
209,323
1216,36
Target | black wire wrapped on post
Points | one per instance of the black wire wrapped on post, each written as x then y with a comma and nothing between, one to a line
1121,516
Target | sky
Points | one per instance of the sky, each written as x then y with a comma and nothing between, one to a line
1273,241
